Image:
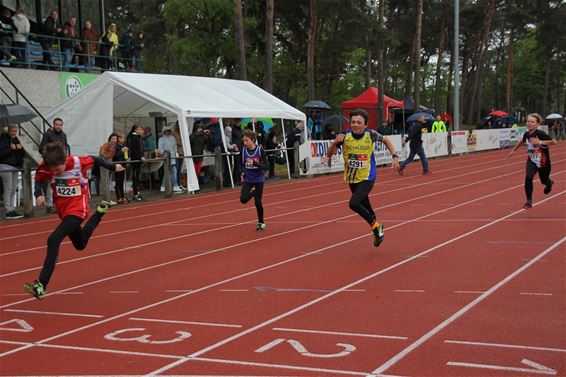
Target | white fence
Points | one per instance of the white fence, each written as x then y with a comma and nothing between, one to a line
313,152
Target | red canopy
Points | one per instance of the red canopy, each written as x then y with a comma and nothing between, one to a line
498,113
369,101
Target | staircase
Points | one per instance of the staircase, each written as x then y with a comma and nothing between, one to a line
30,133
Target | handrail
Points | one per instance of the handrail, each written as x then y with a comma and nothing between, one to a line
114,55
18,91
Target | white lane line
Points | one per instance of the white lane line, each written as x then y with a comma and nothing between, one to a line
527,260
395,359
284,201
360,281
184,322
292,367
54,313
535,368
535,294
68,293
258,239
341,333
470,292
503,345
77,348
124,292
409,290
15,294
449,162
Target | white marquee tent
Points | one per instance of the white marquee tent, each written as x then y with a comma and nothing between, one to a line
89,115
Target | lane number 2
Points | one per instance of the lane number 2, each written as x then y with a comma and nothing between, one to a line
298,346
145,338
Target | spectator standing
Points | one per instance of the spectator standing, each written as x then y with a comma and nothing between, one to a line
21,22
231,148
294,136
271,144
7,30
416,144
180,153
260,134
137,52
134,142
11,157
237,138
167,143
198,140
89,46
53,135
104,52
120,154
108,151
126,49
113,38
70,38
51,29
149,143
438,125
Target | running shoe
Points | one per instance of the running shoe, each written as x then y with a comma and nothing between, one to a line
378,234
35,289
548,188
103,206
428,172
528,204
261,227
400,171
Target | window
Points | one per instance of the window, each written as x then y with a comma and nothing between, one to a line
91,12
69,8
46,7
31,9
10,4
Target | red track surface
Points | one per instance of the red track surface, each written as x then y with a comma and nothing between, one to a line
465,284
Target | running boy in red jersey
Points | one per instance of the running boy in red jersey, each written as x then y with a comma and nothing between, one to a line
67,176
360,169
538,157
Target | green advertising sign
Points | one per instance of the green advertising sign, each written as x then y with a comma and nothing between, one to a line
72,83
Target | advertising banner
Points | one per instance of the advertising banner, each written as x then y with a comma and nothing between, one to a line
72,83
459,142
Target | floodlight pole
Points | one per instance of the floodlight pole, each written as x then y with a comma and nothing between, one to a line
456,65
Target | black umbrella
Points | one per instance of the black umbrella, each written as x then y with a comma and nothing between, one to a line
12,114
335,120
316,105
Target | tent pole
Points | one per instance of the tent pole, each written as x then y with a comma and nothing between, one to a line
285,146
226,149
192,179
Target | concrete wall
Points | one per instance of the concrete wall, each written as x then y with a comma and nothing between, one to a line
42,88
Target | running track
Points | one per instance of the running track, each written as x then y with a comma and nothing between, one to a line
466,283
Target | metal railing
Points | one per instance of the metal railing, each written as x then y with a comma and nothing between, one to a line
19,94
41,51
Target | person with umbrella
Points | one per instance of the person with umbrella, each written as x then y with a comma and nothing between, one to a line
416,144
538,157
11,158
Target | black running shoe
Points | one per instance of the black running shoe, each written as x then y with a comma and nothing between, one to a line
548,188
528,205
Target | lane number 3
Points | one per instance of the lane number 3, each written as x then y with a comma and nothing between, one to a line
145,338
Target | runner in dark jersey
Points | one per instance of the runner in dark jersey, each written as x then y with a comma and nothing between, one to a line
538,157
254,166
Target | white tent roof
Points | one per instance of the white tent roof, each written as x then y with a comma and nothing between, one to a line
89,115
